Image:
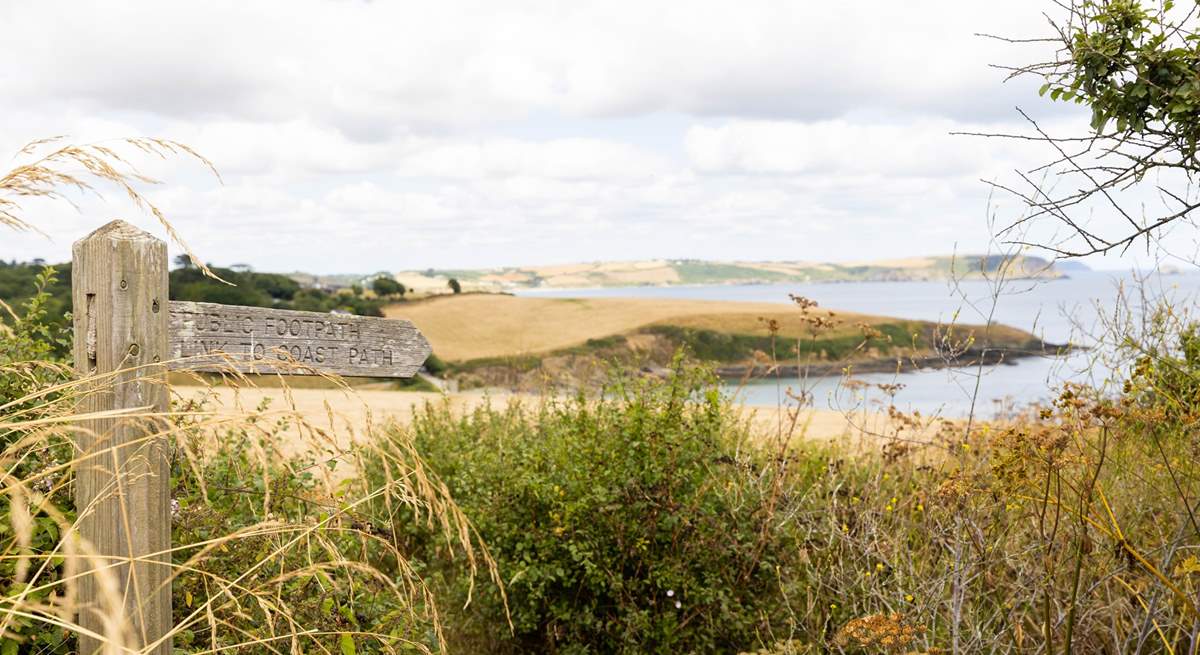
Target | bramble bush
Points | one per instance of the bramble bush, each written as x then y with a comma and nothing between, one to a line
32,342
30,361
639,521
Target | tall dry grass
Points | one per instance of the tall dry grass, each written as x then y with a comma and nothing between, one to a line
279,546
52,168
1064,528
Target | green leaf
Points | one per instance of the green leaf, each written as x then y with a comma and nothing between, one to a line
10,647
1045,87
346,643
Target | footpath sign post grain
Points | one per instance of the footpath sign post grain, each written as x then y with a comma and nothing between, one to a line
122,494
127,334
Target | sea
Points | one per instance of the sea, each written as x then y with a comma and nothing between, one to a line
1080,309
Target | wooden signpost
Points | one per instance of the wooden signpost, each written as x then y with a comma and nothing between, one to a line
127,334
262,340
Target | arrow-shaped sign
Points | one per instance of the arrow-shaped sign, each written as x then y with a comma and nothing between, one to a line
212,337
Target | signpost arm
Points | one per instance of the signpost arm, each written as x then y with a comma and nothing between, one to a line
122,480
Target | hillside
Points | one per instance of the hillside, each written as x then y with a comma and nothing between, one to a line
467,327
520,342
664,272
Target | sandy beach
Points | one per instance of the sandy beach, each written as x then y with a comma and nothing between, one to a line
350,414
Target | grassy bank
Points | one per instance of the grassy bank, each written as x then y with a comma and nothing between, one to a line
465,328
528,342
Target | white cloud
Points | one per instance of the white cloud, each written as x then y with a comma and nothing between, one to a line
565,159
294,147
917,148
369,68
365,135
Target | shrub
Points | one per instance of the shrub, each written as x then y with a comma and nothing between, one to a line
263,529
435,365
33,342
637,522
387,287
710,345
52,285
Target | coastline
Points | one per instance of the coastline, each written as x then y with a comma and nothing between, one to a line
968,358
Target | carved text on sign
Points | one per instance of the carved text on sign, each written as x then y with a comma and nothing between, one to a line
209,336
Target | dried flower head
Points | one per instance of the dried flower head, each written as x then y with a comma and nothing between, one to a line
887,631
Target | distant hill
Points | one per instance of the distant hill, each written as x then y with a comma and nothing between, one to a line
667,272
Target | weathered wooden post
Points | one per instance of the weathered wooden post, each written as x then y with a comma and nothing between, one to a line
125,340
122,482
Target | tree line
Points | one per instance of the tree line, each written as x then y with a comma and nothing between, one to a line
18,282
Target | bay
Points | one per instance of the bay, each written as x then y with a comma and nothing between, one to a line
1071,309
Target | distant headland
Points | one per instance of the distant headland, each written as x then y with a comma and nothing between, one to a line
670,272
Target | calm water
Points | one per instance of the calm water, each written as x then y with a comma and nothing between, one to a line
1058,311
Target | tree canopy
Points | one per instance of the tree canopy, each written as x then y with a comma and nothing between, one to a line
18,283
1136,66
386,287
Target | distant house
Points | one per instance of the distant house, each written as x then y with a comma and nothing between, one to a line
241,268
323,287
340,312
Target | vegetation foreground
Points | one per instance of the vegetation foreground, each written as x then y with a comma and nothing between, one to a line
641,520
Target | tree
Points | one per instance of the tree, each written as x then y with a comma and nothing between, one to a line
1133,64
356,289
183,261
386,287
454,285
278,286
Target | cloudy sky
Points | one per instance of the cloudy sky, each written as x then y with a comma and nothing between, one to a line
356,136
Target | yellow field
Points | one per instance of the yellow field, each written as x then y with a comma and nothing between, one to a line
491,325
